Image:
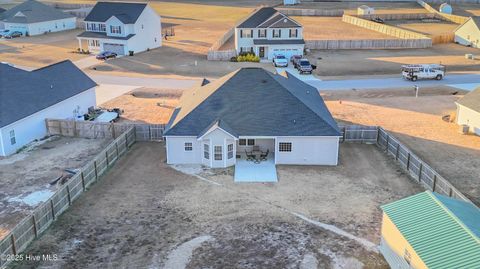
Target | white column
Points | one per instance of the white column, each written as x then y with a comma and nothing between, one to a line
80,44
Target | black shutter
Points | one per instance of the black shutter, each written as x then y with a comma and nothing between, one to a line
279,32
251,33
241,33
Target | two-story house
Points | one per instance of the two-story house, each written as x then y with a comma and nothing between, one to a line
267,32
121,28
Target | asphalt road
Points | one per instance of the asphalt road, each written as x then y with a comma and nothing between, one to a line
163,83
394,82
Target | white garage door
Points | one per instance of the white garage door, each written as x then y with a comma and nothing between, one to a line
287,52
117,48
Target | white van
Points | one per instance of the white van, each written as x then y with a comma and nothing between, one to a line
423,71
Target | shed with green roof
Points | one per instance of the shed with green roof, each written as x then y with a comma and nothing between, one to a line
429,230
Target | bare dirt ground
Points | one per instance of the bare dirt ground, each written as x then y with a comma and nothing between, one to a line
168,61
38,51
333,28
378,62
351,7
144,214
144,105
418,123
426,28
26,177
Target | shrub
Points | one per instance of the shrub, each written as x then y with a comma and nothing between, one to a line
249,57
233,59
245,53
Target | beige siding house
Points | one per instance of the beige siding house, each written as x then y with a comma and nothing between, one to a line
468,111
468,34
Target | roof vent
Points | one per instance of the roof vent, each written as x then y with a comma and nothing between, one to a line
294,121
264,81
308,92
51,86
285,20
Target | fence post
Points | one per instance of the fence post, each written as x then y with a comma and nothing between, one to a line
83,180
126,141
34,221
68,196
434,182
408,162
53,208
420,172
14,245
116,147
149,133
96,172
106,157
386,147
450,193
398,151
344,133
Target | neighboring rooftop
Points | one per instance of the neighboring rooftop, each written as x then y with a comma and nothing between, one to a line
471,100
268,17
32,11
30,92
253,101
127,13
443,231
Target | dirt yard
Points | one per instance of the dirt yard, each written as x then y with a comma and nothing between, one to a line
418,123
144,214
170,62
426,28
333,28
143,105
351,7
26,177
38,51
377,62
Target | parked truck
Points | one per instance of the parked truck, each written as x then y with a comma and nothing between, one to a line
423,71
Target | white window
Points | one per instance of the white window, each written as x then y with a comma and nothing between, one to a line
251,142
206,151
94,43
188,146
13,140
242,142
246,33
115,29
246,49
262,32
407,256
103,28
277,33
230,151
293,32
217,150
285,146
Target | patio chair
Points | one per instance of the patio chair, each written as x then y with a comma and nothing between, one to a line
250,156
264,156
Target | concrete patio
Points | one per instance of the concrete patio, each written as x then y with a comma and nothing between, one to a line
249,171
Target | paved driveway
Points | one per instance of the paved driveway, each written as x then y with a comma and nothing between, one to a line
308,78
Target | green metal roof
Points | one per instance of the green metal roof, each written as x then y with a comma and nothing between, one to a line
443,231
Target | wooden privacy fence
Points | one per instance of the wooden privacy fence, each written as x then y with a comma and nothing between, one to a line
400,16
44,215
423,41
416,167
215,54
91,129
311,12
359,133
368,44
449,17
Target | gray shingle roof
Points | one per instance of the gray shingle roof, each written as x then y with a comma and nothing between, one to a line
278,41
254,102
127,13
2,10
268,17
471,100
88,34
24,93
32,11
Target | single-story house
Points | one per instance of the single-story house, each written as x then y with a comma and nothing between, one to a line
468,34
468,111
27,98
122,28
249,109
365,10
433,231
34,18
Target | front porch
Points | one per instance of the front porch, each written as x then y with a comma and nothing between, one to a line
255,171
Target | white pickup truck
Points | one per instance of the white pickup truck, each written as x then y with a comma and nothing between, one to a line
423,71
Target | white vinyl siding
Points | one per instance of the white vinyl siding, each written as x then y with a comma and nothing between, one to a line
307,150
